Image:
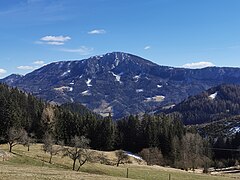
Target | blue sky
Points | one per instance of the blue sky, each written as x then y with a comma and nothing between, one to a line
189,33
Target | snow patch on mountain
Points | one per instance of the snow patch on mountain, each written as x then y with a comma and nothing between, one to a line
136,78
139,90
213,96
234,130
60,64
65,73
86,93
88,82
118,77
72,83
158,98
116,61
96,57
64,88
169,106
125,56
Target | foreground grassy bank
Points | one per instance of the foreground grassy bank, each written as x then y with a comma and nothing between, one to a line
24,165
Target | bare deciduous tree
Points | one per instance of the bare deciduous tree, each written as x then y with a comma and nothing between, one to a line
15,136
103,159
190,152
153,156
28,140
50,147
79,151
122,157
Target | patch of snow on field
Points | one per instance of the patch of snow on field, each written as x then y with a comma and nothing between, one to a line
133,155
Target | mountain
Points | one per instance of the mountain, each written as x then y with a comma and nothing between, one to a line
10,80
121,83
217,103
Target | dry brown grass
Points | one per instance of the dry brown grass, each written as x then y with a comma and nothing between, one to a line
11,172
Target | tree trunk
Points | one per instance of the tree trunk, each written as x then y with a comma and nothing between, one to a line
10,148
118,163
50,160
74,162
28,148
79,168
81,163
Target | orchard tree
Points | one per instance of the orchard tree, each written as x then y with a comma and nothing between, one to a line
79,151
15,136
50,147
153,156
28,140
122,157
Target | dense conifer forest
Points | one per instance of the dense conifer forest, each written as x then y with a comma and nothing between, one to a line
162,136
214,104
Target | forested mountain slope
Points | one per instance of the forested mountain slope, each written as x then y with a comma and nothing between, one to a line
214,104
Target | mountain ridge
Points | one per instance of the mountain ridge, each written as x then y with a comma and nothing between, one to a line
120,83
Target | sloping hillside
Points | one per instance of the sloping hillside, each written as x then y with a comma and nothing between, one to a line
214,104
24,165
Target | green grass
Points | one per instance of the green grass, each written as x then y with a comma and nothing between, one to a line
34,164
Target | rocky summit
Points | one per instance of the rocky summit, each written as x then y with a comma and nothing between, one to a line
120,83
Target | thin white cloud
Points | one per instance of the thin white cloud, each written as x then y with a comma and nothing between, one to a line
54,40
39,62
35,65
55,43
147,47
25,67
198,65
97,31
2,71
83,50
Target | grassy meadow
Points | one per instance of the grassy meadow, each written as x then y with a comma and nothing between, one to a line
24,165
